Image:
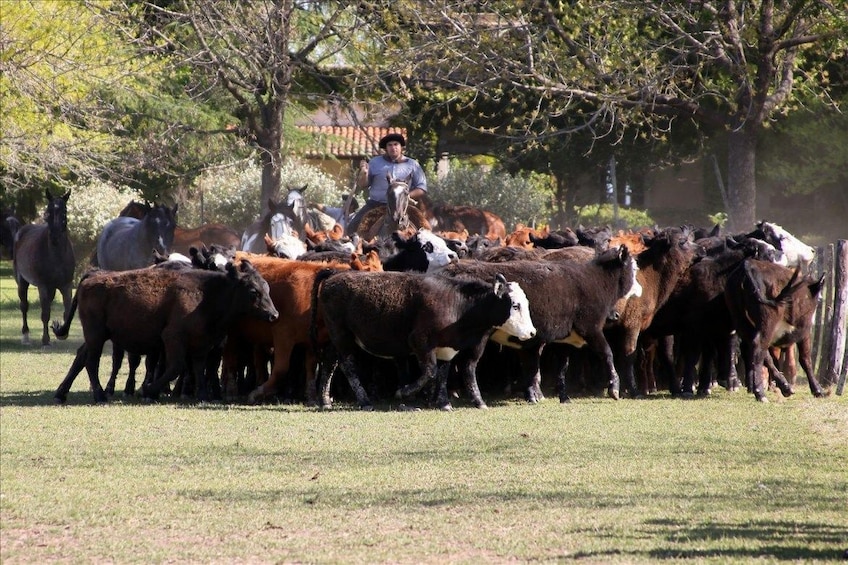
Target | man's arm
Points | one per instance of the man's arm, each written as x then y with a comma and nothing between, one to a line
362,175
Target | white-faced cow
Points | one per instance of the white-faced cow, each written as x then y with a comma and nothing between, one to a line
570,301
182,312
394,315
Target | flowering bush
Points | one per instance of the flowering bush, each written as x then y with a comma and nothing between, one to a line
231,196
91,206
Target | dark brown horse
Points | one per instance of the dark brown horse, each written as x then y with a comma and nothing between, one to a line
446,217
186,238
44,257
396,215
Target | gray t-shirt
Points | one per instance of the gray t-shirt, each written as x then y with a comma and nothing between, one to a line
380,166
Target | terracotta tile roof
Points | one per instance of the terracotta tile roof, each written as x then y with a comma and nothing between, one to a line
348,142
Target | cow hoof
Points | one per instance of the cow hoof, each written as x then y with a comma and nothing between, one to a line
253,397
59,399
565,399
787,392
704,392
482,406
25,339
326,407
612,393
446,407
405,408
367,408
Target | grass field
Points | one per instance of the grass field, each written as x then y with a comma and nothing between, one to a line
720,480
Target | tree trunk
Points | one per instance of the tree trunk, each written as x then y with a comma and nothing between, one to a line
741,183
270,141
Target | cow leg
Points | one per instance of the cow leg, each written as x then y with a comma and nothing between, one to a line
627,359
117,361
175,363
350,369
329,363
279,369
598,343
705,370
23,289
771,360
133,361
427,363
466,363
92,366
531,378
752,352
213,362
440,398
690,351
788,363
78,364
311,361
805,358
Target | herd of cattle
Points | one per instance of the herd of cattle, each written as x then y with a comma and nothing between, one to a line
431,316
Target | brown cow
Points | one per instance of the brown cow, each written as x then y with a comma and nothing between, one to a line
182,312
290,283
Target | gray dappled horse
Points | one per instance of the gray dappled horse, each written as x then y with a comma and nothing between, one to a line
44,257
128,243
278,221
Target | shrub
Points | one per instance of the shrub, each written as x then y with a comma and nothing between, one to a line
516,199
602,215
231,196
91,206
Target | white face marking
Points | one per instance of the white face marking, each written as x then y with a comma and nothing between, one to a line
519,323
797,252
289,246
441,255
635,287
279,226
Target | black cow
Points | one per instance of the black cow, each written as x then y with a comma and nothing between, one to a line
394,315
770,307
182,312
569,303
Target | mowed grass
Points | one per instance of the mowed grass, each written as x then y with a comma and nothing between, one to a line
725,479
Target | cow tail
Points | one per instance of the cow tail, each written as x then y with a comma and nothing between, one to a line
320,277
61,331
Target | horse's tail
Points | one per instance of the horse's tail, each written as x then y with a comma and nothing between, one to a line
61,331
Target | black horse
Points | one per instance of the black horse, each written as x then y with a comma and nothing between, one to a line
44,257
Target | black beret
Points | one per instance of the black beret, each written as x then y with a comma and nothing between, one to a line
392,137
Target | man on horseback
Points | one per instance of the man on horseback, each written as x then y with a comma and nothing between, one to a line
374,175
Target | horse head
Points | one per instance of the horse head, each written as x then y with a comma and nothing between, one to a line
56,215
159,224
281,220
297,202
397,199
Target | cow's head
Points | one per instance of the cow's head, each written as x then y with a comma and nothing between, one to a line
259,300
519,323
438,253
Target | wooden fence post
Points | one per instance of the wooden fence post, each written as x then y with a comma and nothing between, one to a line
821,322
833,363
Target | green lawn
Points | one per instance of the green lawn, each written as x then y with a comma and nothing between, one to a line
723,479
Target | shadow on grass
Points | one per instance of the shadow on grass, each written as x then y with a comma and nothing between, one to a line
782,540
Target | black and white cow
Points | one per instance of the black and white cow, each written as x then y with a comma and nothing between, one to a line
398,314
570,301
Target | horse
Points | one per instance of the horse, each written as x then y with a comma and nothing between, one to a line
9,226
446,217
397,215
186,238
128,243
309,217
43,256
278,221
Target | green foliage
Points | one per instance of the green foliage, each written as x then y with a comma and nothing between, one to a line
231,196
91,206
520,198
603,215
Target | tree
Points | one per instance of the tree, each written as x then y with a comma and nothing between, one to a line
268,57
725,66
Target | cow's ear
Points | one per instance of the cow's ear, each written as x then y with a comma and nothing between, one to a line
817,286
623,253
500,286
